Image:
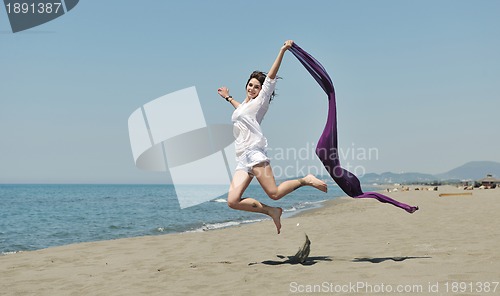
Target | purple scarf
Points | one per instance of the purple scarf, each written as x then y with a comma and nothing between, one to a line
327,149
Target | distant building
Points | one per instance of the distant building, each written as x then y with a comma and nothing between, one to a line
489,181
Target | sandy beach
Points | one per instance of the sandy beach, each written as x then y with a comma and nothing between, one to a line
358,247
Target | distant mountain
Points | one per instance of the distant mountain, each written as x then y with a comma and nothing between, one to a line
473,170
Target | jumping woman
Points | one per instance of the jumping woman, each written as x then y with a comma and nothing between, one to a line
251,145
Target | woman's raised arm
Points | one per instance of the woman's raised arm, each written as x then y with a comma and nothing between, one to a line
224,92
277,63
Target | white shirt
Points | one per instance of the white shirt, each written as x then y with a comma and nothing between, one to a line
247,118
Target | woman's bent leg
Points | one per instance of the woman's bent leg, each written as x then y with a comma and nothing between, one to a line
239,184
265,176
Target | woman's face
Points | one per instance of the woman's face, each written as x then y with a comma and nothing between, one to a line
253,88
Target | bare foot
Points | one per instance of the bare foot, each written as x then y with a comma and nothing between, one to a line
311,180
275,213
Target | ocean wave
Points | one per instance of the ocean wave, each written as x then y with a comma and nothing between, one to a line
10,253
304,205
115,227
220,225
315,203
166,229
219,200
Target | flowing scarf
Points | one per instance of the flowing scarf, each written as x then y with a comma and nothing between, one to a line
327,148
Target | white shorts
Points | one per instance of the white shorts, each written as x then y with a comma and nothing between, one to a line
251,158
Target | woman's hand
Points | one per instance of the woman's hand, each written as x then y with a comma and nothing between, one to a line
223,92
287,45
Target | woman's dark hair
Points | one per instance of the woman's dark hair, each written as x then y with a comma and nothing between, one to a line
260,76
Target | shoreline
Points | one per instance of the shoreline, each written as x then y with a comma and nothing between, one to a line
287,214
204,228
227,218
112,221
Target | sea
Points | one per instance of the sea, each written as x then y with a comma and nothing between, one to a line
38,216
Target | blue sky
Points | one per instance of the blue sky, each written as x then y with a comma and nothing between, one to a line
415,80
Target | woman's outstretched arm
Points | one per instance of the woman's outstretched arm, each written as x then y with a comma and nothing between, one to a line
277,63
224,92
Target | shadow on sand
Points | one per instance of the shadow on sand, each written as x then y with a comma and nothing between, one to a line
379,260
301,257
